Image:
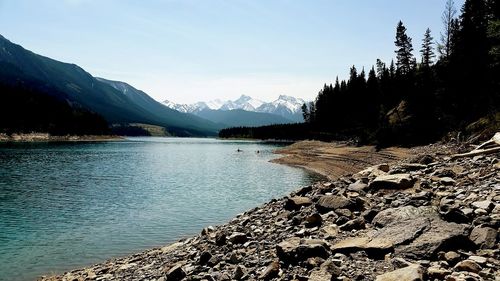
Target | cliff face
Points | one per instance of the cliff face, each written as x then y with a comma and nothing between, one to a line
432,217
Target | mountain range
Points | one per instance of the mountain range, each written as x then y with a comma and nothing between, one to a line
116,101
285,106
40,94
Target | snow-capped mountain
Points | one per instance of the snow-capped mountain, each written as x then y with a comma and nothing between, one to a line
244,102
285,106
186,108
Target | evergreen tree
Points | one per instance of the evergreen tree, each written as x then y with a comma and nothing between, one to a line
404,57
427,49
305,113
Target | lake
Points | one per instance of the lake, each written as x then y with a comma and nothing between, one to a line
68,205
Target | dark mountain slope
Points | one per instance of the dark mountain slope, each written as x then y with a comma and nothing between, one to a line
101,97
240,117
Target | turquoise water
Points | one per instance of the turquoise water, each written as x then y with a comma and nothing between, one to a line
67,205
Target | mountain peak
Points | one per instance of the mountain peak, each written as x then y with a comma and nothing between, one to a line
285,106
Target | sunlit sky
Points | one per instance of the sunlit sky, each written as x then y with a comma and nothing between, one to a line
191,50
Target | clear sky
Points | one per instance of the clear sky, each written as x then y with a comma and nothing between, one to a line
192,50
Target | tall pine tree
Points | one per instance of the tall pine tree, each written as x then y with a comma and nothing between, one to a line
427,49
404,48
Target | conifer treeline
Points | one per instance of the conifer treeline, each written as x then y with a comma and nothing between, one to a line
454,82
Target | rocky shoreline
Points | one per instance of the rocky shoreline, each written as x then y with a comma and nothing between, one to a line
45,137
431,217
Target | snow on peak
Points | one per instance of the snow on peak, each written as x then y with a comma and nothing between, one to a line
286,106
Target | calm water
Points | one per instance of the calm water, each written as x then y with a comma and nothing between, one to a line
69,205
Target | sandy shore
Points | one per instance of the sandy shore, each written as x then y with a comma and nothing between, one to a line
44,137
336,159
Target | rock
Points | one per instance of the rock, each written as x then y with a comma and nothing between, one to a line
452,257
357,186
468,265
394,181
439,236
328,203
407,167
220,238
373,247
238,238
171,247
485,205
330,231
234,258
352,244
205,257
402,232
478,259
295,249
271,271
320,275
239,272
331,267
374,171
425,159
438,273
176,273
399,214
314,220
447,181
484,237
297,202
357,223
409,273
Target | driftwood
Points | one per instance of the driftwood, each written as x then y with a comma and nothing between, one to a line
491,146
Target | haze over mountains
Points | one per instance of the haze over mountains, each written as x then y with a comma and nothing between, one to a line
285,106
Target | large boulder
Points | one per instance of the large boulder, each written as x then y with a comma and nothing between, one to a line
393,181
297,202
395,215
484,237
176,273
328,203
294,249
409,231
439,236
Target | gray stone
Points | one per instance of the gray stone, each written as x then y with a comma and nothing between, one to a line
294,249
393,215
176,273
297,202
438,273
485,205
439,235
332,202
271,271
238,238
409,273
357,223
239,272
320,275
314,220
468,265
358,186
394,181
484,237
